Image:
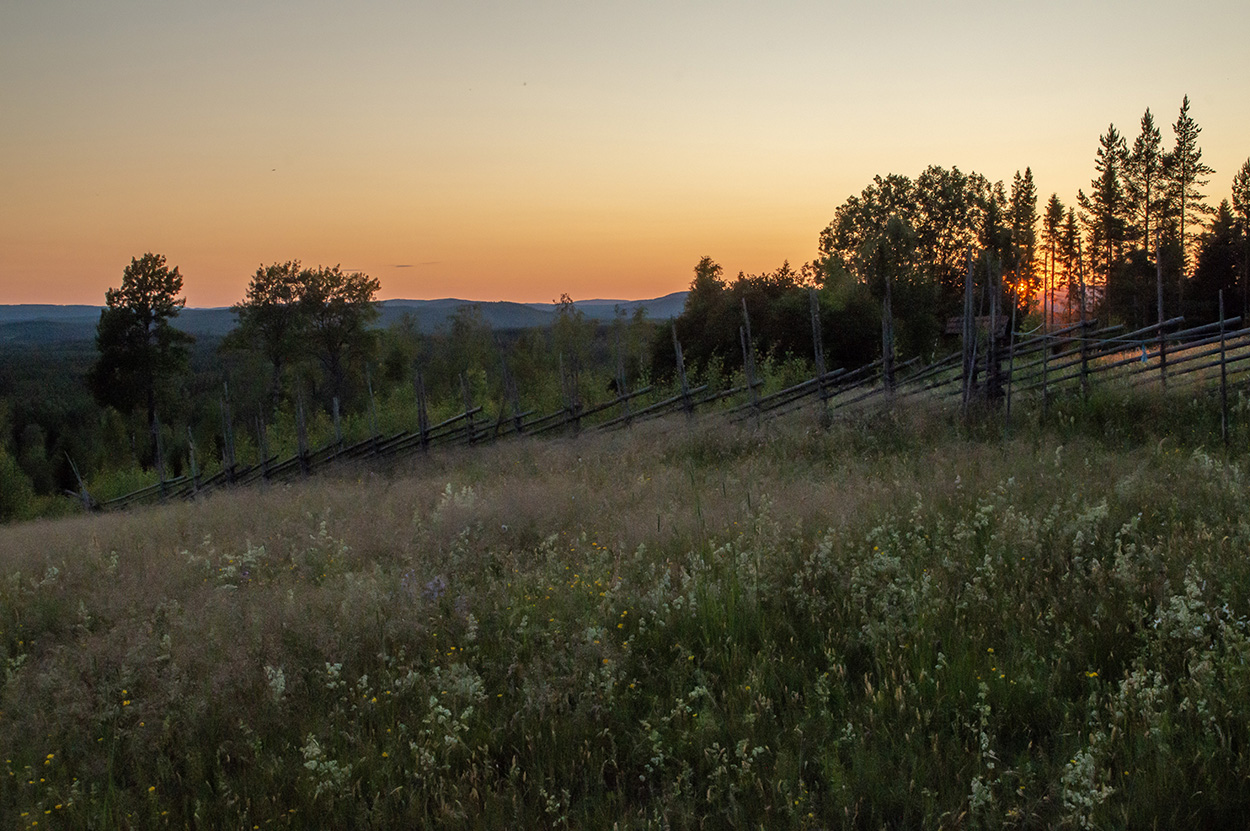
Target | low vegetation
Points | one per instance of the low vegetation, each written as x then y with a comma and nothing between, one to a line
903,621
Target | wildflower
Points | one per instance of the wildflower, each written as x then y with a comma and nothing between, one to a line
1091,674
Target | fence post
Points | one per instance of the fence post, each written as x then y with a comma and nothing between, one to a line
1011,348
468,409
1223,377
160,452
373,410
518,417
621,388
227,433
969,334
262,444
301,435
686,403
887,328
748,360
423,416
1163,344
993,375
83,495
195,471
1045,371
818,348
338,424
1080,276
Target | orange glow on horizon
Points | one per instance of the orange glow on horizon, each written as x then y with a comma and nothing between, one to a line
597,150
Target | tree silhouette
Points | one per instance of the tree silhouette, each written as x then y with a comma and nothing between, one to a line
139,347
1186,173
339,307
271,316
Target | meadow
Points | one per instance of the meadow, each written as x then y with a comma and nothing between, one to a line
904,620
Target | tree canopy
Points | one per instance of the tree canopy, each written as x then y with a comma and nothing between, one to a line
139,347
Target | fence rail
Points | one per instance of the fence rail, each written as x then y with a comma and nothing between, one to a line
1045,363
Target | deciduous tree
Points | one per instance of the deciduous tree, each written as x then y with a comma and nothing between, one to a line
338,306
271,317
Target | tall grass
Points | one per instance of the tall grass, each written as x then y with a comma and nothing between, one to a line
900,622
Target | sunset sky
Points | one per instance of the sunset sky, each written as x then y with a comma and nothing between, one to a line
525,149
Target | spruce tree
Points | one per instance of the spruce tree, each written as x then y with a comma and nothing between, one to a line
1185,173
1023,210
1241,211
1105,208
1144,175
1052,224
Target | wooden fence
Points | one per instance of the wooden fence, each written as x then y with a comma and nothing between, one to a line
1039,364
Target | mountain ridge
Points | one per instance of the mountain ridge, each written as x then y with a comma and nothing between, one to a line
46,323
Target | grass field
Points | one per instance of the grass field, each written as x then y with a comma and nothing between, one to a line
901,622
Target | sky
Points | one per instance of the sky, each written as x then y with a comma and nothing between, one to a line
523,150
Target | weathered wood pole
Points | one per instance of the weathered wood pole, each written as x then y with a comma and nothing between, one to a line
818,349
1223,377
686,402
469,427
338,423
1080,276
969,334
262,444
1045,371
993,379
1011,349
301,435
227,434
622,390
887,326
1163,343
748,360
423,416
87,502
195,471
373,409
160,452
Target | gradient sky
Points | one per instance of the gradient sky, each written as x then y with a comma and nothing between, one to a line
520,150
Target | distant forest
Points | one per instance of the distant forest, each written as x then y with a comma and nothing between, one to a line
1143,243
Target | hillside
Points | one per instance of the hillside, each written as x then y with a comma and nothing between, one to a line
897,623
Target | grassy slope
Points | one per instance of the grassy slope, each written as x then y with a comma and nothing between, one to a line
894,623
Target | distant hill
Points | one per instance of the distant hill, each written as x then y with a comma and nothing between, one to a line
660,308
44,324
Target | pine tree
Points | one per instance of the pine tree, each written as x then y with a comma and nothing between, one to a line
1105,209
1185,172
1052,224
1144,174
1241,211
1070,252
1023,211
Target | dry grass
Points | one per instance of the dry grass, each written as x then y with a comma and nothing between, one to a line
901,621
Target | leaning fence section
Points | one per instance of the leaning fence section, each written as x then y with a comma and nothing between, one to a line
995,365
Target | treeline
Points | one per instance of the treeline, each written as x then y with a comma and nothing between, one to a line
149,401
1142,245
890,280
